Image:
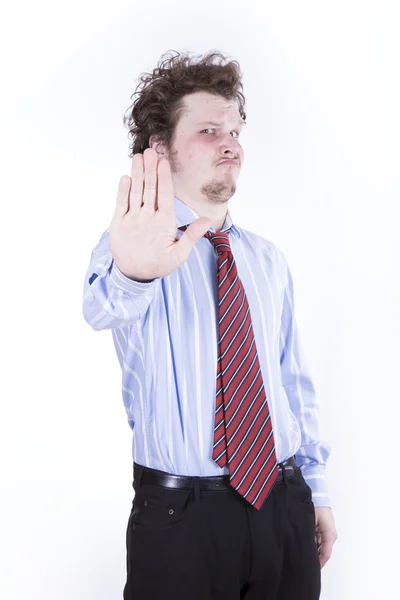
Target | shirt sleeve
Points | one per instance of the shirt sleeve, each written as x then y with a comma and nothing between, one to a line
296,379
110,299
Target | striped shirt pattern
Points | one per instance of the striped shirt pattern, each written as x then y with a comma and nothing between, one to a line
165,334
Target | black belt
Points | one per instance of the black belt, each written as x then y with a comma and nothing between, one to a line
143,475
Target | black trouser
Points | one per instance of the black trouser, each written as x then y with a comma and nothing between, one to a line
213,545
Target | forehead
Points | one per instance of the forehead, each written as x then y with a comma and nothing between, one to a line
202,106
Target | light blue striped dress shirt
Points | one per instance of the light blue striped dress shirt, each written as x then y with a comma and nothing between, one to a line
165,334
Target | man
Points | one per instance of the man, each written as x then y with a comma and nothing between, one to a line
214,381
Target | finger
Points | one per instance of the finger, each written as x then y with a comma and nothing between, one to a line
165,188
136,192
327,539
325,551
193,234
150,179
122,205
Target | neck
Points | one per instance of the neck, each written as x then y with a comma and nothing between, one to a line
216,212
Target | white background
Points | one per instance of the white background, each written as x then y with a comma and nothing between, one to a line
320,180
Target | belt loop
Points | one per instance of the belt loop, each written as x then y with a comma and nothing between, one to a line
140,475
284,474
138,480
196,488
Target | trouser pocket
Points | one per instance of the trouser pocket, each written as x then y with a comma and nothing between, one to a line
156,506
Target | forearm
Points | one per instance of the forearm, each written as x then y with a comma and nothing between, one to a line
110,299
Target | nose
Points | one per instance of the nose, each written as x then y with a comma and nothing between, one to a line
230,148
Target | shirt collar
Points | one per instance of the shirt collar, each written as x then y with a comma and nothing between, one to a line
185,215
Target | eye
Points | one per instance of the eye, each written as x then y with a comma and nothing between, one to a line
210,129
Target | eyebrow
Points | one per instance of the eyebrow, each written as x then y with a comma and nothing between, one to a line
218,124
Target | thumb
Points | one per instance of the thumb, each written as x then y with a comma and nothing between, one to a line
198,228
190,237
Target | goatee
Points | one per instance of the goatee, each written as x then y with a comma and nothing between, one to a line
218,191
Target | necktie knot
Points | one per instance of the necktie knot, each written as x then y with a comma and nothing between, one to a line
219,239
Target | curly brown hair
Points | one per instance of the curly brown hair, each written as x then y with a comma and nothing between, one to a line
160,105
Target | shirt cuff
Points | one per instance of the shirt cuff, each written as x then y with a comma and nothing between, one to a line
315,479
130,286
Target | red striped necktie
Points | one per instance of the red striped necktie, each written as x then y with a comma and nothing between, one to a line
243,436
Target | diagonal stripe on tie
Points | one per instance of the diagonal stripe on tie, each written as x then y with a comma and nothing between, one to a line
243,435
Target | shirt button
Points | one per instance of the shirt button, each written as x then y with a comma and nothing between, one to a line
91,296
145,502
171,511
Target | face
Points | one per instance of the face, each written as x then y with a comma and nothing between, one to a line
207,133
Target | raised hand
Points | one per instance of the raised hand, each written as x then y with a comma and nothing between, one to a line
143,234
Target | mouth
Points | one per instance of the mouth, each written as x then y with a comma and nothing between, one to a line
229,162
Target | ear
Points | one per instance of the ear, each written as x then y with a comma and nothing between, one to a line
157,145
